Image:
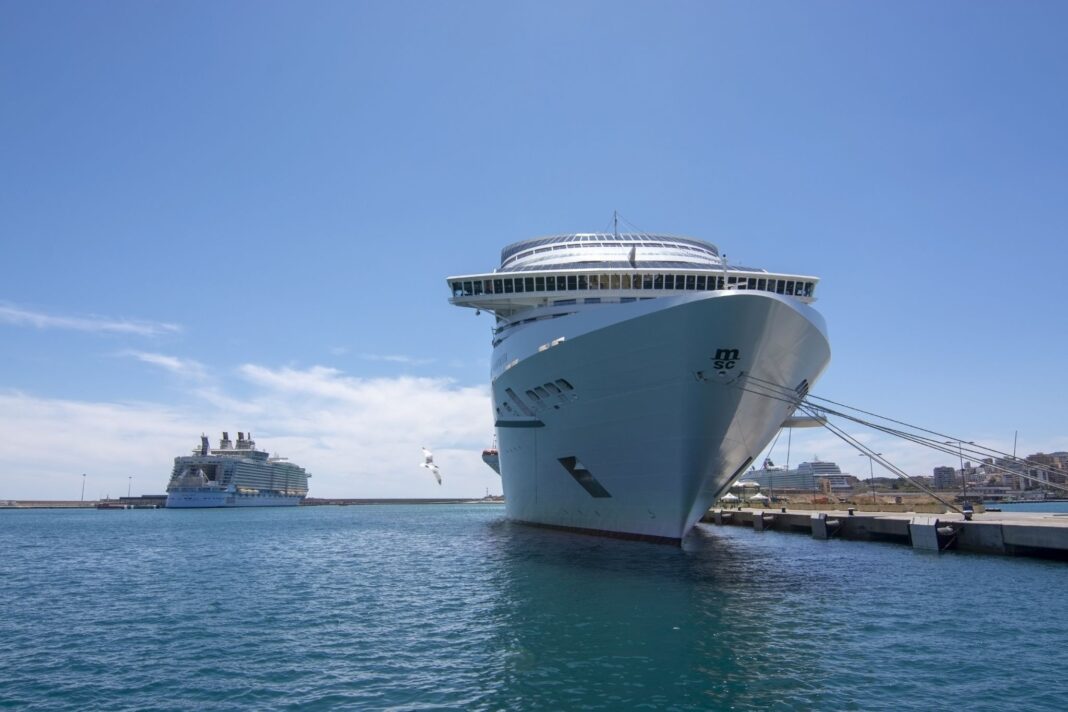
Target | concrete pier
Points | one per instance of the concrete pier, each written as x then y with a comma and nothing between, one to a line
1007,533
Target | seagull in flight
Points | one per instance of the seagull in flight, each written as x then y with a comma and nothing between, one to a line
428,463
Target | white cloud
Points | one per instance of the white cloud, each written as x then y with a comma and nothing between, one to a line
24,317
186,368
358,437
398,358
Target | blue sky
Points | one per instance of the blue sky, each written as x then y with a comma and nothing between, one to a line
240,215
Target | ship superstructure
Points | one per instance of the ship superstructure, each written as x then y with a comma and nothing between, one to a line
814,476
235,475
620,369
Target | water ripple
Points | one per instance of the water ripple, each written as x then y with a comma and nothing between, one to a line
432,608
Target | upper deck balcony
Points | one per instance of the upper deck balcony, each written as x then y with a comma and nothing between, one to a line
592,268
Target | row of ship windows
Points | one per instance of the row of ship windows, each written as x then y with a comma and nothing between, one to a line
583,282
542,396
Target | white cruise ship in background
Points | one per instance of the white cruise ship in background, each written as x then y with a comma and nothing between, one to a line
620,370
235,475
814,476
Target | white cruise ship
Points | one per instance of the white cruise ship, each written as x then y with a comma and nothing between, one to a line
814,476
624,370
235,475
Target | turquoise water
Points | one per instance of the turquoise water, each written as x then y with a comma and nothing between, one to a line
1036,507
452,607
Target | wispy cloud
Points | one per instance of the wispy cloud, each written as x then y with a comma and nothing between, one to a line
17,316
359,437
186,368
398,358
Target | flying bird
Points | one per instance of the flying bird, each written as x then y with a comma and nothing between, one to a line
428,463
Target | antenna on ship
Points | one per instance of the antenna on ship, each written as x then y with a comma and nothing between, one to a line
615,224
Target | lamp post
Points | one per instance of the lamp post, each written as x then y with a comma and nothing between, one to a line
83,487
129,484
963,475
871,472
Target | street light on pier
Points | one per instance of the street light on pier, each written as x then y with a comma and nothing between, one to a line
129,484
871,472
83,487
963,475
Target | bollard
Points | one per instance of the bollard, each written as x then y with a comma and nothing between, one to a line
819,525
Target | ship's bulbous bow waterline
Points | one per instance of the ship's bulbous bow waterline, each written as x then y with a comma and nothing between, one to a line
642,414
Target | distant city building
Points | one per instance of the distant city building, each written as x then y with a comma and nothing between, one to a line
945,478
1049,468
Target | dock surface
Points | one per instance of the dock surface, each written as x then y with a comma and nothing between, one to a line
1041,534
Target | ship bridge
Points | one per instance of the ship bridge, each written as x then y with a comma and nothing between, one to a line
600,268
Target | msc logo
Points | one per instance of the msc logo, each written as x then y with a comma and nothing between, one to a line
725,359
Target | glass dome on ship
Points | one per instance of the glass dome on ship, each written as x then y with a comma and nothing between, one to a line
618,367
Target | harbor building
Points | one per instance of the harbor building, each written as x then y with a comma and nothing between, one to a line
945,478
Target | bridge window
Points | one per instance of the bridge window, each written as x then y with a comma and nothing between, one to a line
680,281
572,283
498,286
582,282
762,285
507,286
529,281
614,282
700,282
550,283
780,286
624,281
519,284
752,282
606,281
658,281
539,284
691,281
669,281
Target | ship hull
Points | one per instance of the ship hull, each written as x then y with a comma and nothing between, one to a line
224,499
653,419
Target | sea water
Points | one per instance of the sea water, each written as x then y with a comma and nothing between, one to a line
1042,507
453,607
